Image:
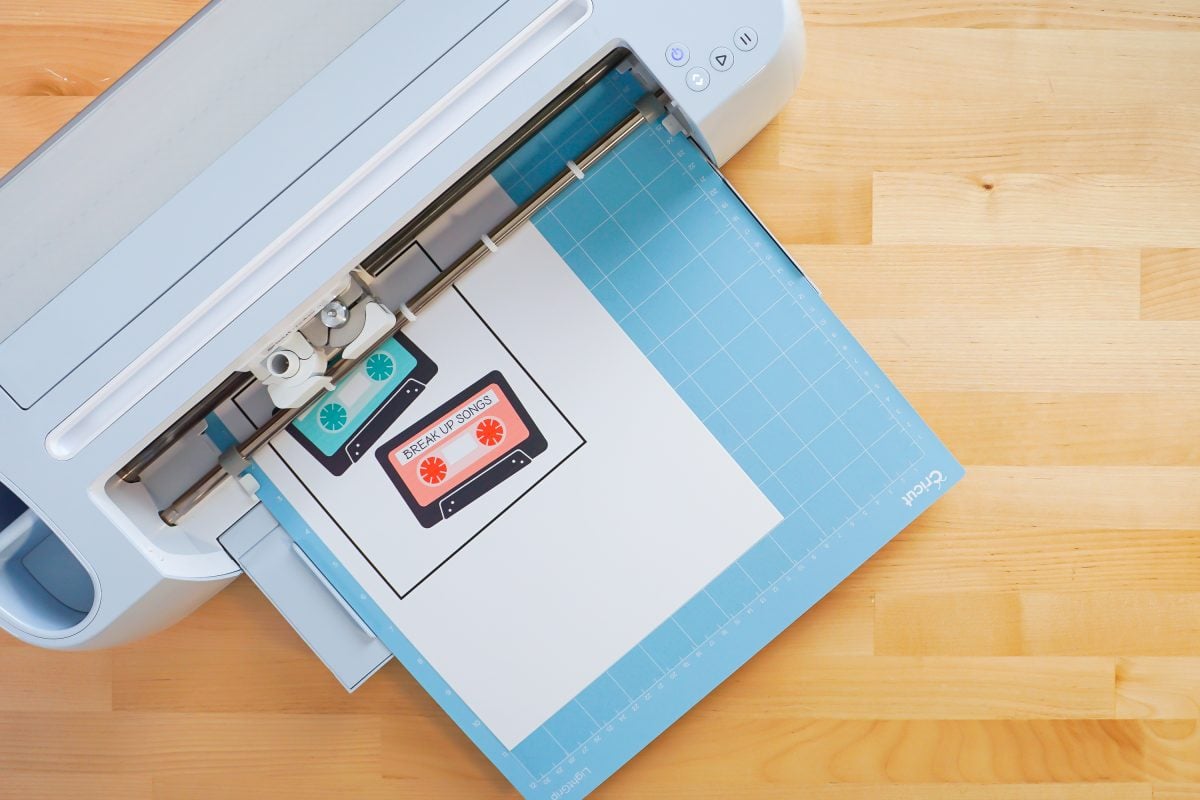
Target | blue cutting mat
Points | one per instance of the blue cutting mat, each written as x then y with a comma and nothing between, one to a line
720,309
717,306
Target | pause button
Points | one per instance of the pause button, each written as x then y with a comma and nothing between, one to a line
746,39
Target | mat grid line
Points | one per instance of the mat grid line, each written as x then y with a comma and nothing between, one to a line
789,295
695,317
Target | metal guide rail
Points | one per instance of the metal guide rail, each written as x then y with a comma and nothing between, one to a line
236,459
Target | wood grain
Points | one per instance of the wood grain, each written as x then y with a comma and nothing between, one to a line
1068,429
1003,202
980,68
1021,208
25,122
1044,355
1001,283
1163,688
1038,623
1085,14
1043,136
1170,284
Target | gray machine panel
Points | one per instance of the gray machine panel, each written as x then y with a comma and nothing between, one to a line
122,218
306,600
71,206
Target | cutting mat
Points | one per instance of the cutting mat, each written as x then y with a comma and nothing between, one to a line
1003,203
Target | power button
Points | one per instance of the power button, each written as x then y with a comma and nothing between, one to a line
677,55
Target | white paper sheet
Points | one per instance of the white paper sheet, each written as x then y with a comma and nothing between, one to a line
529,593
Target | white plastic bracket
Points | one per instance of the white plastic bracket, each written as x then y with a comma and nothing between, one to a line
651,108
672,125
376,325
249,484
293,371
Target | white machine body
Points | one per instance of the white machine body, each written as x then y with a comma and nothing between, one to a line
201,211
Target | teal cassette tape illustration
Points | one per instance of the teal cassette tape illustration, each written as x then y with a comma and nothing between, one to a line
343,425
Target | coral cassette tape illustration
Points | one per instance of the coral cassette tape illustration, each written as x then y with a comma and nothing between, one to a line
461,451
339,429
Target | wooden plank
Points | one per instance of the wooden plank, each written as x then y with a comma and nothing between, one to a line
53,60
274,745
801,205
77,17
1083,14
981,136
1168,791
1065,428
969,355
1004,499
203,784
226,674
917,282
843,623
1069,210
947,66
82,681
54,785
1171,284
433,758
957,556
807,207
895,687
1158,688
962,623
1032,623
929,791
67,48
695,760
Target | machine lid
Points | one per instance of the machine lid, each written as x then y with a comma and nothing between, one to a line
153,132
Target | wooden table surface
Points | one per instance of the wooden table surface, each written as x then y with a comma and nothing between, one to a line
1002,199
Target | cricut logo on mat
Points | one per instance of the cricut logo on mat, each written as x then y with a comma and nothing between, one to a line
571,783
932,481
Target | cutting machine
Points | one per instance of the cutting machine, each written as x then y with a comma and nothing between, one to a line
224,215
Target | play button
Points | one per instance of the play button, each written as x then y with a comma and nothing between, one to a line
721,59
